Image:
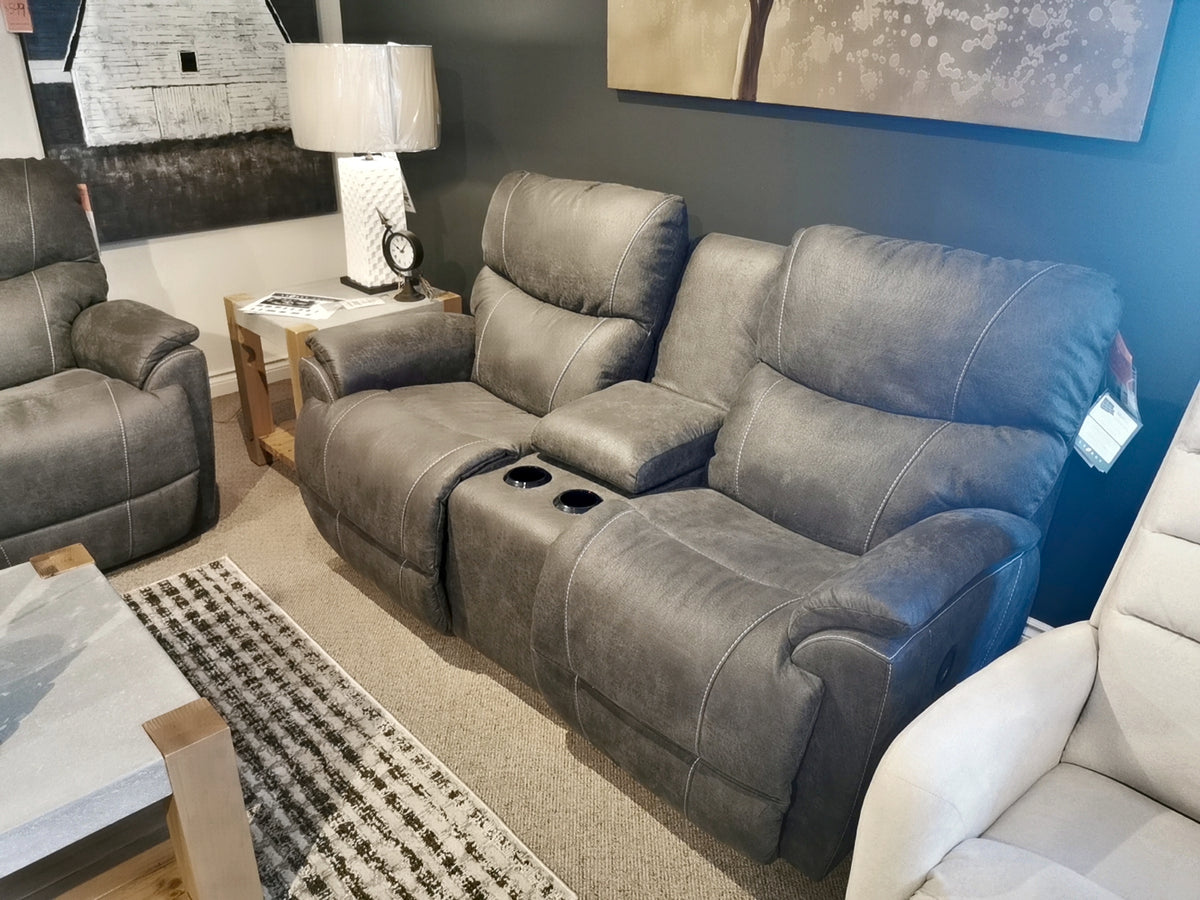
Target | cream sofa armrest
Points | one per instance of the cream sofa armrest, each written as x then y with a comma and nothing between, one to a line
967,758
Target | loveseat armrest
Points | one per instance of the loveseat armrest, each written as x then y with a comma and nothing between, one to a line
633,435
388,352
126,339
951,773
903,582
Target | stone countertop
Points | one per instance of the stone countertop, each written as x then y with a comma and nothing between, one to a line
78,677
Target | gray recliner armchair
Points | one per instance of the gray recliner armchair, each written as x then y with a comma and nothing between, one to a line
869,535
576,284
105,416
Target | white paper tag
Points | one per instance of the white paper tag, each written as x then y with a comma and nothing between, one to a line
359,302
1106,431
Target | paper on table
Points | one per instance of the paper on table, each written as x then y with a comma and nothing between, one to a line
300,306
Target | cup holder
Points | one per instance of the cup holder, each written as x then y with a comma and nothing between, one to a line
525,477
576,501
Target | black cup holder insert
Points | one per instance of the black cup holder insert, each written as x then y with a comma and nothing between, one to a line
577,501
527,477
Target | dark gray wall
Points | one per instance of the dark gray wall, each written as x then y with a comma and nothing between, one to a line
523,86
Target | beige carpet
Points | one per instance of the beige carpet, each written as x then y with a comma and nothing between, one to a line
601,832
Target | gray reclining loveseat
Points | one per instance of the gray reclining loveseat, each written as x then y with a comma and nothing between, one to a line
823,511
105,417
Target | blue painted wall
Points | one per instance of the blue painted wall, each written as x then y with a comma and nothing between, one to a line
523,86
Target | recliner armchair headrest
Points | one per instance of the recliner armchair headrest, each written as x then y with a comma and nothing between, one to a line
592,248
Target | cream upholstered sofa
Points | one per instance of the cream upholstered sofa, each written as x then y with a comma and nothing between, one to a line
1070,767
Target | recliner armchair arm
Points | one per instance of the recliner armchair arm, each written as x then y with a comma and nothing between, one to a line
960,764
126,339
388,352
901,583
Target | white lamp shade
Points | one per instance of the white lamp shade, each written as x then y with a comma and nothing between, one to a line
363,98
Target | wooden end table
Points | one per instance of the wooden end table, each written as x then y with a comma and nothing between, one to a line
266,439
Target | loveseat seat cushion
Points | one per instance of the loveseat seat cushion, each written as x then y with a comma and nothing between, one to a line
634,436
661,632
376,468
54,431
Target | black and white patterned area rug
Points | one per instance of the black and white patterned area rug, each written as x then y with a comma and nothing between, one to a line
343,801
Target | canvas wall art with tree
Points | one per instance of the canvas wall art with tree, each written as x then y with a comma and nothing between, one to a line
1084,67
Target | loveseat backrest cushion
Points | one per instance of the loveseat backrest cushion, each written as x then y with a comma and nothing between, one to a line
710,340
49,268
1141,724
577,281
899,379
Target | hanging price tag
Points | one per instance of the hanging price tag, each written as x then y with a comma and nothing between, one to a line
16,16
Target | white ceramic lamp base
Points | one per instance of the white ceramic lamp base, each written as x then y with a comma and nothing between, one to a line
369,185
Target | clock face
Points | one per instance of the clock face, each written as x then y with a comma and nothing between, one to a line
402,251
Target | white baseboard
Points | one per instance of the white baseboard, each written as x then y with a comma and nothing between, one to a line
222,383
1034,627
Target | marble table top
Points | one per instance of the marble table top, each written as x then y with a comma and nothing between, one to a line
78,677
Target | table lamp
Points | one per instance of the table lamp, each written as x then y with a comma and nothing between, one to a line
367,100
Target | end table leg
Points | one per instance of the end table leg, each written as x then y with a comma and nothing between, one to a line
251,372
297,349
206,817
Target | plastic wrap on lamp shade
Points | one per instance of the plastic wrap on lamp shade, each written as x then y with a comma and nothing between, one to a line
363,98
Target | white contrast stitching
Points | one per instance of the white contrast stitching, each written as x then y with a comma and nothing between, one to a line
612,294
7,561
729,652
817,638
322,374
986,328
887,685
737,469
1007,603
687,787
32,226
896,481
504,223
579,711
483,331
37,282
571,581
783,301
337,531
329,437
562,374
404,509
128,477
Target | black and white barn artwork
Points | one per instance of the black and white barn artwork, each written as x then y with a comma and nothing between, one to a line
1082,67
174,112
